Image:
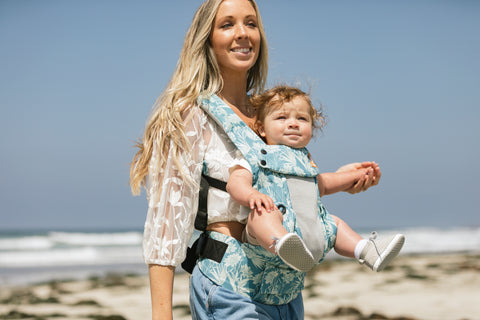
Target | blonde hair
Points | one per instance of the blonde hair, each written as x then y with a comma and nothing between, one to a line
274,98
197,74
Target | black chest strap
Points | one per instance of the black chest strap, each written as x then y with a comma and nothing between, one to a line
201,220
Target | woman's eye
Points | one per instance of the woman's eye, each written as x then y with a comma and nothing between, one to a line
226,25
252,24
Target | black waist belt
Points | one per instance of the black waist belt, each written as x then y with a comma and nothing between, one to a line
204,246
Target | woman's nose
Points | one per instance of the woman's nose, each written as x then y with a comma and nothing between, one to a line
241,32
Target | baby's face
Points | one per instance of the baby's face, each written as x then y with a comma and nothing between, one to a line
289,125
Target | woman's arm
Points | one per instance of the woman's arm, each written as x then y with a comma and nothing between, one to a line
161,289
352,178
172,208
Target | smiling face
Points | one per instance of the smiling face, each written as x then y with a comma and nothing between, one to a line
289,124
235,37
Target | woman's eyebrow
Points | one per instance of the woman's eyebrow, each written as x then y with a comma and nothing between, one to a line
250,16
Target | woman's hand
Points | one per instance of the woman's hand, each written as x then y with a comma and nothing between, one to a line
369,179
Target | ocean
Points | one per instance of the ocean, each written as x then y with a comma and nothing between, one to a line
28,257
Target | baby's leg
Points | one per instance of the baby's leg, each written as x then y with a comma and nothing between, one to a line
347,239
267,230
263,226
376,254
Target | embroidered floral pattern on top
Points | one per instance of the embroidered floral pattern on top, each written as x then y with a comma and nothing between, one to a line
172,201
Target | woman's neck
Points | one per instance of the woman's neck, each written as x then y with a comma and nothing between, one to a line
234,87
234,94
237,101
240,105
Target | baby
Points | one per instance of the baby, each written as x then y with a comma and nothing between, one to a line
286,116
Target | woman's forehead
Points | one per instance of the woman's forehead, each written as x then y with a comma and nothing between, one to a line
232,8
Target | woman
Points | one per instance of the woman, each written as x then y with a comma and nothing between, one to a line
224,53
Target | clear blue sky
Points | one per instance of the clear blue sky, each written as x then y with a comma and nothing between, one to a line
399,81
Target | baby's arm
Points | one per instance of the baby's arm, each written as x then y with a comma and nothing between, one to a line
367,174
239,186
369,180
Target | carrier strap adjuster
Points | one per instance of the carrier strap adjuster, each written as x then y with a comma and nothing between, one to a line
204,246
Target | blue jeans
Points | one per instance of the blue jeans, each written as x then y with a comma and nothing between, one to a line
209,301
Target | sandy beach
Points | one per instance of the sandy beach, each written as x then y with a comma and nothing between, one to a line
415,287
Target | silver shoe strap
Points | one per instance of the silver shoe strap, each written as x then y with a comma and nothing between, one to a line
372,238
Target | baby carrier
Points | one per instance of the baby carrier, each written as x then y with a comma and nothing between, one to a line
283,173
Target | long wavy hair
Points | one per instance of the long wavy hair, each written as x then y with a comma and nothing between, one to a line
197,74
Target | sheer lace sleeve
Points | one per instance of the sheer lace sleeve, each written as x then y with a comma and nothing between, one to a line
172,201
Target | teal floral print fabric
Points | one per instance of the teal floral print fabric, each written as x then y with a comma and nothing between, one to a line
248,269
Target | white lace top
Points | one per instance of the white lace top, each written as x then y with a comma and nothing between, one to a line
171,213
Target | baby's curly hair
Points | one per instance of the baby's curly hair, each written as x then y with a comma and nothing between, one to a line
274,98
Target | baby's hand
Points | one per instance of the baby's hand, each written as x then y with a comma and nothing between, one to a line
260,201
372,175
368,172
